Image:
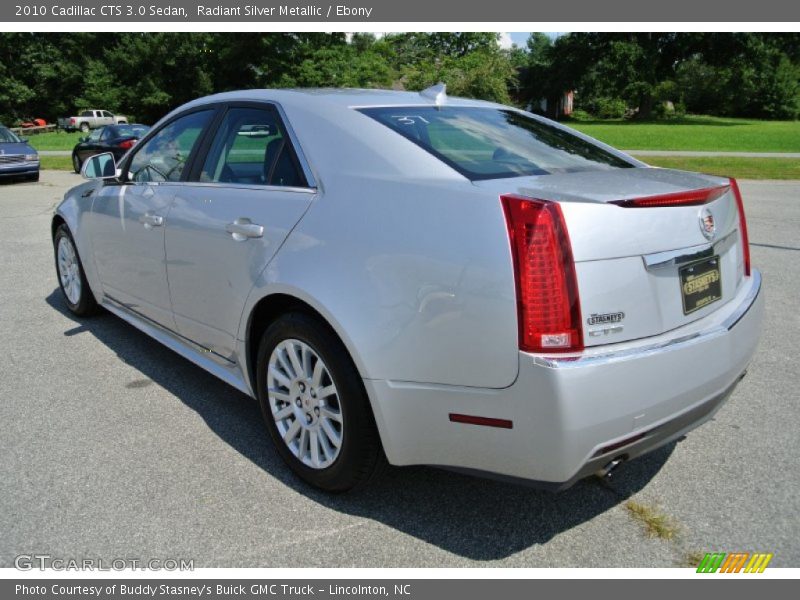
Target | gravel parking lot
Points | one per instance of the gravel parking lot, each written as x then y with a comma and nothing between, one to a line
113,446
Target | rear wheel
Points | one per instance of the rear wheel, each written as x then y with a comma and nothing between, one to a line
71,277
85,127
76,163
314,404
34,177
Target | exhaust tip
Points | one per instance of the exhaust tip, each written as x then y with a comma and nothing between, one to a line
606,471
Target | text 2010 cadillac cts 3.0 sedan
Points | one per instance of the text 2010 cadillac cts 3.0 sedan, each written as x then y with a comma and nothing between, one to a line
423,279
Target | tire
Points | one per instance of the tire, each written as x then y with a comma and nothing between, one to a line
34,177
359,455
85,127
69,271
76,163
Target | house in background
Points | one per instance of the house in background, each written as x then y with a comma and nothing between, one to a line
526,94
555,108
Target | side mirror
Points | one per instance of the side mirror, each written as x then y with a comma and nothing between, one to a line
84,139
100,166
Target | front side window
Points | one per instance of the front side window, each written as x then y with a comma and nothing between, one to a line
164,156
490,143
251,147
107,114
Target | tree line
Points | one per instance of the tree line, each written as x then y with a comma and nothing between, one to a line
639,75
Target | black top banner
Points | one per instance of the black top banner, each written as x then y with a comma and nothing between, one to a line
473,11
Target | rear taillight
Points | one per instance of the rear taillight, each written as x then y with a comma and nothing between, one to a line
72,121
742,227
690,198
127,144
548,308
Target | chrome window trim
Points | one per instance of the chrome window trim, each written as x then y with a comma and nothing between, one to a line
262,187
572,362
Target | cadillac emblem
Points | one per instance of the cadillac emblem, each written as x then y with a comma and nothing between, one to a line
707,225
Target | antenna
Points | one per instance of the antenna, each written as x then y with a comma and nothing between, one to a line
437,93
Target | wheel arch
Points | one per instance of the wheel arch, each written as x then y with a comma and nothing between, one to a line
271,306
55,223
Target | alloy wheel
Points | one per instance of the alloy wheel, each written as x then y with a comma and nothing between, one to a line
68,270
305,404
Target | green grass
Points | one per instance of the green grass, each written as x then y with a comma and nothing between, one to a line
57,140
741,168
655,523
697,133
58,163
691,558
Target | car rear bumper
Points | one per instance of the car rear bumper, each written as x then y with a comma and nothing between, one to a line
573,416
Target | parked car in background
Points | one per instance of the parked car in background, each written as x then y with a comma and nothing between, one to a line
117,139
447,281
90,119
17,157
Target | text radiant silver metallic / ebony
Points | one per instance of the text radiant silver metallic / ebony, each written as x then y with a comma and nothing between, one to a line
402,276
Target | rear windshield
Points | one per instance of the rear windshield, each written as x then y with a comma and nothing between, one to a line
131,130
490,143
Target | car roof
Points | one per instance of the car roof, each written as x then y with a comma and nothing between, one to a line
336,97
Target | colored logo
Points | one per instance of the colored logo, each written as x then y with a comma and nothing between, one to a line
735,562
707,225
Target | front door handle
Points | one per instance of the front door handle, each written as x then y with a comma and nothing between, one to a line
150,220
243,229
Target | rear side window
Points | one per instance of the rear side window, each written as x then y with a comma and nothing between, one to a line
490,143
251,148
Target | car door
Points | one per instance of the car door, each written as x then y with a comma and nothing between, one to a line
244,197
106,118
128,217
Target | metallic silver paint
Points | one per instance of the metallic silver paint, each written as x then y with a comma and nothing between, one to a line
410,264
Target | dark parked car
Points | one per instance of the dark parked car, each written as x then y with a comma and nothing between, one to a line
17,157
117,139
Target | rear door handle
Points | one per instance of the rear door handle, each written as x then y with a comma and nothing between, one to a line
150,220
243,229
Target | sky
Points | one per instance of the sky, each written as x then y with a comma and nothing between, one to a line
520,38
507,38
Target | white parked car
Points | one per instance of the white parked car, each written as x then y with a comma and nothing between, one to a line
424,279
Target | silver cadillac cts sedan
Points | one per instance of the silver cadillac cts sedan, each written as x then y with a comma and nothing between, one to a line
418,279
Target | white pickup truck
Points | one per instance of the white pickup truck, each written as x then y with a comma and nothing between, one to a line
90,119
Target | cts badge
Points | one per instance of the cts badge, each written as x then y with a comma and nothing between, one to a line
707,225
608,319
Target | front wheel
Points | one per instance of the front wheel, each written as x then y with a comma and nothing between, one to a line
314,404
76,163
71,278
